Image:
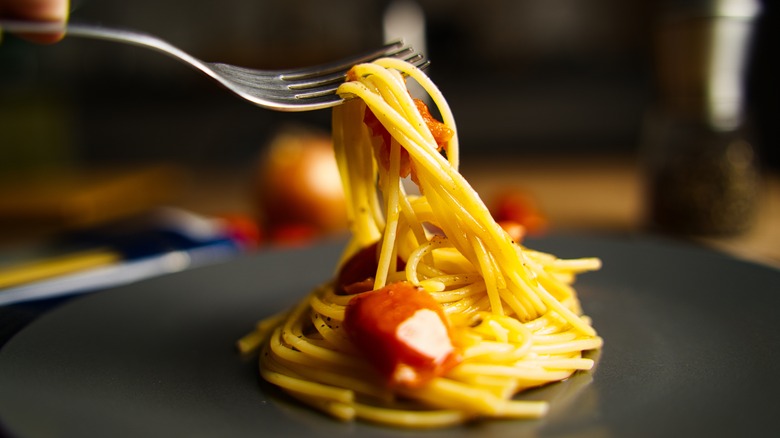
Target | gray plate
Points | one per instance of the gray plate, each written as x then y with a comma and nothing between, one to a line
691,349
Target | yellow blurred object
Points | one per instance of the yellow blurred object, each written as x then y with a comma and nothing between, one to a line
28,272
76,197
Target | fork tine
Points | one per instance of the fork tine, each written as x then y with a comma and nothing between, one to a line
406,54
388,49
327,87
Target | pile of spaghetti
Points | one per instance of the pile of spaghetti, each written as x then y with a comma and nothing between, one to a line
437,314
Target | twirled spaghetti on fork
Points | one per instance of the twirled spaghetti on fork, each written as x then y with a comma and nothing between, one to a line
437,315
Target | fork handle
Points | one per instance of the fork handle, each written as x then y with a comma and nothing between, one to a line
81,30
95,31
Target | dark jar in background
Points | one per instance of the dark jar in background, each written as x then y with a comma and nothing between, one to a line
701,172
699,181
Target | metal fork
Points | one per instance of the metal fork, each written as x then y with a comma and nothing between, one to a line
301,89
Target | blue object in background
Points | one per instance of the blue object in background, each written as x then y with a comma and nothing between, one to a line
162,241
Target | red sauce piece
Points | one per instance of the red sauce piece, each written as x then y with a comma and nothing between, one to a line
378,130
441,133
358,273
517,206
403,332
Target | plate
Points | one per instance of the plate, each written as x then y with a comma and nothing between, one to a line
691,348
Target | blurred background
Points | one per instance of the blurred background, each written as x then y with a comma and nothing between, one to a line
522,76
557,99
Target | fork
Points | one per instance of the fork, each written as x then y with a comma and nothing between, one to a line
301,89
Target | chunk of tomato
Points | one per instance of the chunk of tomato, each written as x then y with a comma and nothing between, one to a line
403,332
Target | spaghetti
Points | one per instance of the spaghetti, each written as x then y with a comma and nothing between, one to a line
508,315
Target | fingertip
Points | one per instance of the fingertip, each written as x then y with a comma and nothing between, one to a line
38,10
54,11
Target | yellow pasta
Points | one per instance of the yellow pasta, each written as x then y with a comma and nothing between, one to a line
513,313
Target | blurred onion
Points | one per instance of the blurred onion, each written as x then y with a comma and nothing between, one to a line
297,185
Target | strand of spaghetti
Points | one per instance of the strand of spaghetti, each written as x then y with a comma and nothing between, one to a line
454,223
576,266
539,374
432,286
376,85
336,409
576,345
304,386
411,418
412,220
389,84
272,363
338,126
406,240
327,295
448,296
327,309
335,338
358,166
463,305
396,276
392,186
337,379
497,352
477,306
452,394
498,332
418,254
429,271
459,279
357,383
523,409
252,340
421,208
523,284
516,302
383,82
296,340
576,363
450,259
284,352
438,99
555,338
369,172
550,323
501,387
564,312
349,177
559,289
360,171
520,331
489,274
